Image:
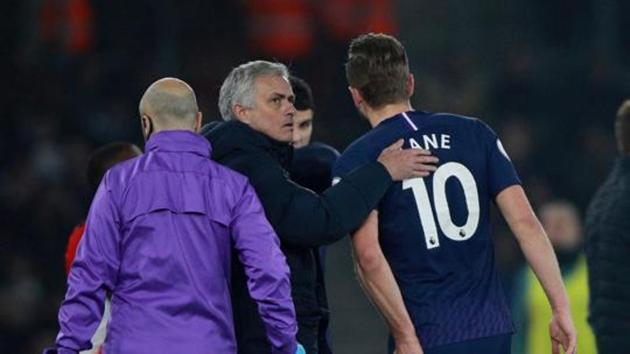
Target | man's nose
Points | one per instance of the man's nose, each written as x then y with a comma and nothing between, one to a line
291,109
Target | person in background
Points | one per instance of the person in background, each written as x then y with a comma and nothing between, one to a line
159,237
608,249
101,160
256,103
304,112
561,221
425,255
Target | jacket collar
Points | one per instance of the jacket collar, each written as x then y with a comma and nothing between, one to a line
179,141
234,135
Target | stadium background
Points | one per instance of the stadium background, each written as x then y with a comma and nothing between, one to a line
548,75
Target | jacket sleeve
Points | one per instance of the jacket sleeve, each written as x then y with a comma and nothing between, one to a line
267,272
303,218
93,272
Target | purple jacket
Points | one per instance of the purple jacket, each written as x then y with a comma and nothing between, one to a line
159,238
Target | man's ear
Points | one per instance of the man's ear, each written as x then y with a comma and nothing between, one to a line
241,113
198,120
146,124
356,96
411,84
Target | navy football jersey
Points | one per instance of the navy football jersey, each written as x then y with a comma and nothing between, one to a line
435,231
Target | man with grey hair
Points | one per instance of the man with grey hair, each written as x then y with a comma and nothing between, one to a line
256,100
159,237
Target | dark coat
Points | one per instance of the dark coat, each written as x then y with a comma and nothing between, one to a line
302,219
608,256
312,168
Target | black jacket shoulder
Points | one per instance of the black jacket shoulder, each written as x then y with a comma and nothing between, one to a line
299,216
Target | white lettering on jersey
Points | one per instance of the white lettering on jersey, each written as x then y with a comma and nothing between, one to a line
445,141
432,142
414,144
441,207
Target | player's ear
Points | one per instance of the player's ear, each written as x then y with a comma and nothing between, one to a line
411,84
356,96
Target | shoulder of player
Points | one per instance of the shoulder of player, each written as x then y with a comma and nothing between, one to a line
472,122
355,154
359,146
461,119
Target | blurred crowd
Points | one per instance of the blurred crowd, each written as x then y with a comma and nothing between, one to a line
546,75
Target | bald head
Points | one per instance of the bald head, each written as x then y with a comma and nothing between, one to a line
168,104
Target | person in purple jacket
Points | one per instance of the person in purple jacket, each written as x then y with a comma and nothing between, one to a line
159,237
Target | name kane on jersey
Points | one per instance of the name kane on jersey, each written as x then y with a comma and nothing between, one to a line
432,141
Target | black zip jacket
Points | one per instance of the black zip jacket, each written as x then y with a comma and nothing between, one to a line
608,257
302,219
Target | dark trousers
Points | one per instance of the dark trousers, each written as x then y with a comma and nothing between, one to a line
612,344
500,344
307,336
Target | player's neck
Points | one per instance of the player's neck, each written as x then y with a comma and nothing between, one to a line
378,115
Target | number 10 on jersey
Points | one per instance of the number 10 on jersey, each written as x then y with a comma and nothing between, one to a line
440,204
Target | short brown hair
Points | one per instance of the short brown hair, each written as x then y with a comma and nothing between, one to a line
378,67
622,128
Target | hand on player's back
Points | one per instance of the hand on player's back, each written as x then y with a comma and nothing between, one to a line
407,163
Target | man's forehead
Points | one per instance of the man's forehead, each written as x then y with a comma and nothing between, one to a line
273,84
303,116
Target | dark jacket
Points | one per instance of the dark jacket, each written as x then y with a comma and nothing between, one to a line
302,219
608,257
311,168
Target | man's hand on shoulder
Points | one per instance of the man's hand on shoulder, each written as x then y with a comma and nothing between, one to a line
407,163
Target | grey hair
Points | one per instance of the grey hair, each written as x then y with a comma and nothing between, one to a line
238,87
